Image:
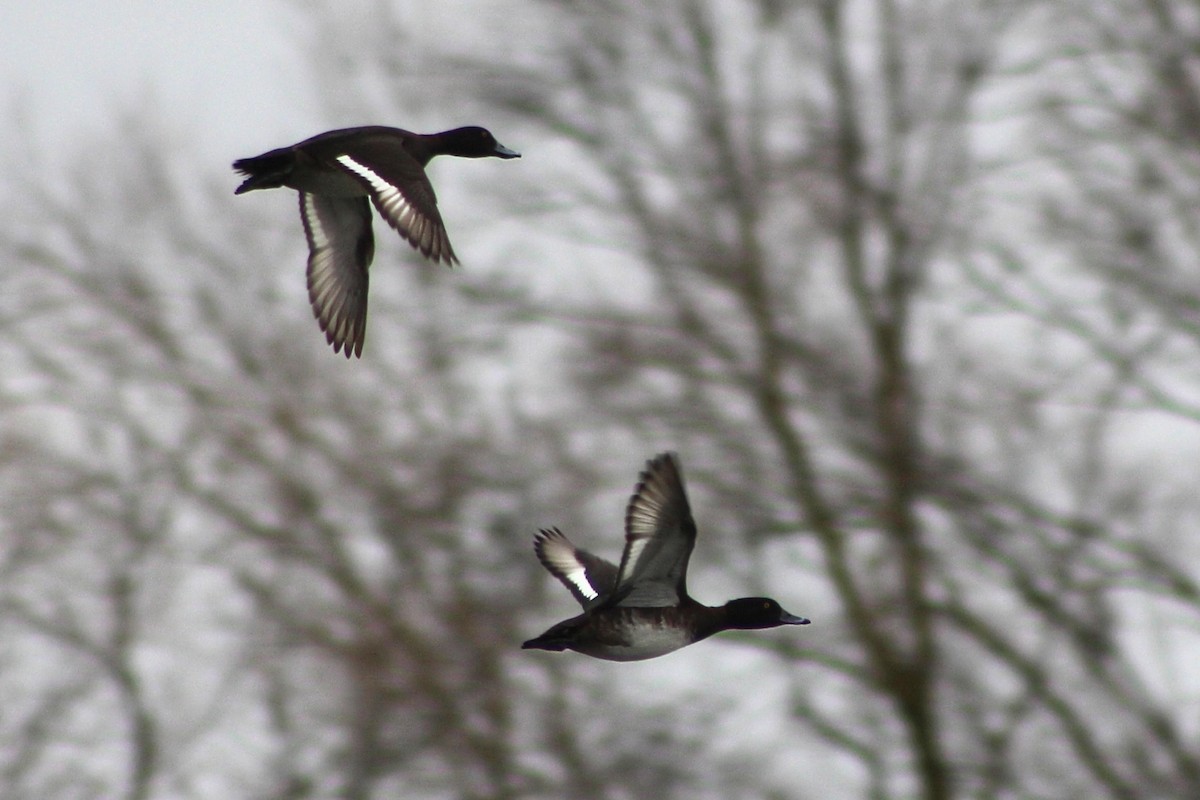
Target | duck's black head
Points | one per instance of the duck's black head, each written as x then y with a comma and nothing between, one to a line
472,142
754,613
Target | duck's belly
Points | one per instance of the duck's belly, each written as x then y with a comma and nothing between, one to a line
652,642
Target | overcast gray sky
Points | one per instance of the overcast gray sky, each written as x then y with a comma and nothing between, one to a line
229,70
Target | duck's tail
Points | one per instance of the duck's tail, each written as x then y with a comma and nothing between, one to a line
546,641
268,171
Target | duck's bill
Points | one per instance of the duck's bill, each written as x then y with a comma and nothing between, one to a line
792,619
503,152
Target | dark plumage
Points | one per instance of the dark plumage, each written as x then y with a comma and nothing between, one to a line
336,172
642,609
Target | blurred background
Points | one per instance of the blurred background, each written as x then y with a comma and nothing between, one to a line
912,287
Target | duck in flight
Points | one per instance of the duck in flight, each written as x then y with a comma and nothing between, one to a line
336,173
641,609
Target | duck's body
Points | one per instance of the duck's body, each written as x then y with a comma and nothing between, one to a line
642,609
626,634
338,175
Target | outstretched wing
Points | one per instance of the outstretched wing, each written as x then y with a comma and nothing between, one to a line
340,249
403,196
659,536
589,578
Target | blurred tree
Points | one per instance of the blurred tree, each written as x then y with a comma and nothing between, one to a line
835,210
264,572
902,321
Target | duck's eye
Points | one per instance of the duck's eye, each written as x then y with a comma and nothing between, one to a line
766,605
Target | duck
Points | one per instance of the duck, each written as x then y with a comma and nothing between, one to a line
336,174
641,609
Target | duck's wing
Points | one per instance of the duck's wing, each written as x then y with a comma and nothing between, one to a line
402,193
586,576
340,249
659,536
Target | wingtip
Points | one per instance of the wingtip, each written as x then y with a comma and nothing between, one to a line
667,456
549,537
655,465
666,462
435,255
351,348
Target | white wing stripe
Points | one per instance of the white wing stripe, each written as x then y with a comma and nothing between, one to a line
423,233
634,548
386,194
578,576
320,239
562,558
